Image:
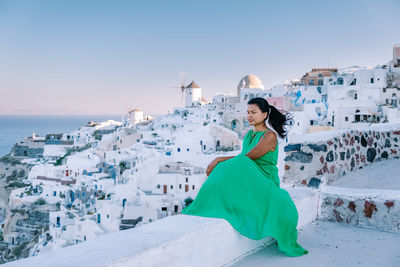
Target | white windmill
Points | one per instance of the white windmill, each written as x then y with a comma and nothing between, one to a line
182,81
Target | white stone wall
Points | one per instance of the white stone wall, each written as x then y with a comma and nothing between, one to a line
362,207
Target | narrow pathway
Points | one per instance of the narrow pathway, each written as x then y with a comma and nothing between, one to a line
334,244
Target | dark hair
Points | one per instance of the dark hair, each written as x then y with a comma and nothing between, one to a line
276,119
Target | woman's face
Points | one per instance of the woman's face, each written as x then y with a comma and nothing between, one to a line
255,115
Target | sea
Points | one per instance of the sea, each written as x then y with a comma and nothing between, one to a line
14,128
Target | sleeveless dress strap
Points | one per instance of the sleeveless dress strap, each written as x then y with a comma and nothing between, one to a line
262,133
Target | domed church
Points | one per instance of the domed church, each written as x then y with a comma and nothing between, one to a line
250,82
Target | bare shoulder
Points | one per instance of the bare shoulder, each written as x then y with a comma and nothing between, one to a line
270,135
270,138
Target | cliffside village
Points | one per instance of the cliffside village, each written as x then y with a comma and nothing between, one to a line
110,176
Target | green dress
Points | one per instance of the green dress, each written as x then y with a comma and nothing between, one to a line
246,193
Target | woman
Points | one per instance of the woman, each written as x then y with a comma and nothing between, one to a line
244,189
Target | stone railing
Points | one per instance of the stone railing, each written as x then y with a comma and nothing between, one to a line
325,156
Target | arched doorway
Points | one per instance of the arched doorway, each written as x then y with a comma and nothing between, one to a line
234,124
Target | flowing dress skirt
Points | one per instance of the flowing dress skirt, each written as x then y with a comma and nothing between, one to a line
237,191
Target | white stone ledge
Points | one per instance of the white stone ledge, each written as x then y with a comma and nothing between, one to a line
316,137
360,192
373,208
180,240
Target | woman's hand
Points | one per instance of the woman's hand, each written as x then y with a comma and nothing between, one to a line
212,165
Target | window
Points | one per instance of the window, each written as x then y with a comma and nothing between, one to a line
372,80
311,122
164,208
311,82
179,149
54,193
158,186
346,118
108,216
172,187
192,187
187,149
187,179
355,96
180,186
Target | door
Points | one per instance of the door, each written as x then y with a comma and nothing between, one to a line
165,189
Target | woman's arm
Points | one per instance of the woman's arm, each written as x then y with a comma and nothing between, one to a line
219,159
214,163
266,143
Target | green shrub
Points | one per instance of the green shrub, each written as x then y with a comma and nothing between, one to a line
21,173
17,250
97,135
10,160
16,184
40,201
122,166
12,176
188,201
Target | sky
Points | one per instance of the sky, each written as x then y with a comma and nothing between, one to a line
108,57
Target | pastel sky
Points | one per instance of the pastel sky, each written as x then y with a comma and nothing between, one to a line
106,57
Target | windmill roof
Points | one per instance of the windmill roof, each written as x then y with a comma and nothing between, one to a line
193,85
